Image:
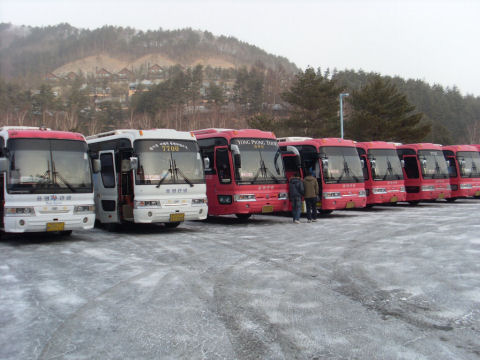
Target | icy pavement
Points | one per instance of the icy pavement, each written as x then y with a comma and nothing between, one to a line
385,283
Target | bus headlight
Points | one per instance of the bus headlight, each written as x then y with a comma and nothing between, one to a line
332,195
245,197
379,191
146,204
19,211
363,193
465,186
282,196
84,209
428,188
199,202
402,188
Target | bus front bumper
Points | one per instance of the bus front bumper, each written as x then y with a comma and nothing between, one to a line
170,214
21,224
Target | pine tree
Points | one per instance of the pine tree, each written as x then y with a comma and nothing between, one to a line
314,100
381,112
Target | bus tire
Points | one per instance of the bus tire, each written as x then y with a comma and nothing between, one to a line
65,233
243,216
451,200
325,212
172,225
414,203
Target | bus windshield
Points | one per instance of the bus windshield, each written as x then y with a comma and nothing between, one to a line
433,164
469,164
48,166
261,162
341,165
387,164
168,162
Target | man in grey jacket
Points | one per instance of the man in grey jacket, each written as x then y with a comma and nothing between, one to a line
296,190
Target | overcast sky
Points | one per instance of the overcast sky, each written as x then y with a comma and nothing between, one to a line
435,41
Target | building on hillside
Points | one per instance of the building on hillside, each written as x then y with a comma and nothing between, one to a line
103,74
155,71
51,77
71,76
125,75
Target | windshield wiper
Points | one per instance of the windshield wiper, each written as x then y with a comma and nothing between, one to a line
170,171
178,171
57,174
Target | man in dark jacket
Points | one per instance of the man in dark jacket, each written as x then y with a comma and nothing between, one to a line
311,194
296,191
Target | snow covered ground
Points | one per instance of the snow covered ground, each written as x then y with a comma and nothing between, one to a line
384,283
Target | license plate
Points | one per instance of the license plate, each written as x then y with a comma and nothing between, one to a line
267,209
55,226
441,196
177,217
477,193
350,205
394,199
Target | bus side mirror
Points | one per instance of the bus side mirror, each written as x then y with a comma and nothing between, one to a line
133,163
206,163
373,164
403,163
325,163
237,161
363,163
96,166
4,163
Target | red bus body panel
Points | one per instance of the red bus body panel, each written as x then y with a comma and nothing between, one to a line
440,187
266,195
395,189
463,187
349,193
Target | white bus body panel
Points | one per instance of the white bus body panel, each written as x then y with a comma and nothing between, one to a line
49,208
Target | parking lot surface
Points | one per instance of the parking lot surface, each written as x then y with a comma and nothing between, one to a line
396,282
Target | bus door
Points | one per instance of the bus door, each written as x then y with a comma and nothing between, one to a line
222,165
106,198
126,190
411,173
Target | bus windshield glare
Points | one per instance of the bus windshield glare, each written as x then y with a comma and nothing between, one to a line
341,165
48,166
168,162
433,164
261,162
469,164
387,164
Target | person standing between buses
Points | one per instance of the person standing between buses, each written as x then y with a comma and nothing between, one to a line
311,194
296,191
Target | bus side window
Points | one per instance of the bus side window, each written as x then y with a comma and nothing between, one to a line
107,172
223,166
411,167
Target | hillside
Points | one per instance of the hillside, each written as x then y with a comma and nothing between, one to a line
31,52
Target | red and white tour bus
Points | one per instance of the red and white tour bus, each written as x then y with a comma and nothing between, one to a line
337,168
46,181
464,170
425,172
382,172
244,172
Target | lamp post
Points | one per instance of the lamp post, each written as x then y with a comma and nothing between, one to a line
342,95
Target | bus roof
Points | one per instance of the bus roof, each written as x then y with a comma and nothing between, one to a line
366,145
456,148
12,132
421,146
232,133
134,134
319,142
